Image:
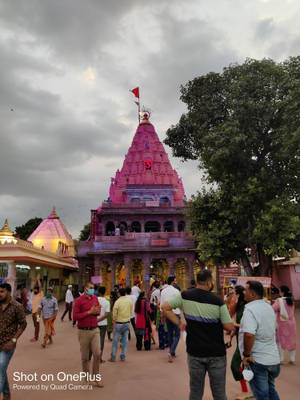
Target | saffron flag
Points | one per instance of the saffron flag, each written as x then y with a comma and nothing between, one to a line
136,92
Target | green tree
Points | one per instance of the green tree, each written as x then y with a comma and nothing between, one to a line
24,231
85,232
243,125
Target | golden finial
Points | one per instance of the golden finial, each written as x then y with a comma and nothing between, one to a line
6,235
6,231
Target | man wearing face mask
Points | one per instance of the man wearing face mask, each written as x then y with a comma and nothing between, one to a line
86,310
37,297
206,316
49,308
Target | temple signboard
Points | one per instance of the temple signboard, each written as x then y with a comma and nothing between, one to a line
264,280
227,272
159,242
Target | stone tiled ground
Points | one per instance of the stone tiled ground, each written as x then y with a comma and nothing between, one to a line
144,375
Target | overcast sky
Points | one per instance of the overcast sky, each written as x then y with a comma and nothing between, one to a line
67,116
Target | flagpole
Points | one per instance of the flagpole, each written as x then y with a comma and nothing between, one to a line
139,110
136,92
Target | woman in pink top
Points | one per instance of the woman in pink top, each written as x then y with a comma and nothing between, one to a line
286,324
142,322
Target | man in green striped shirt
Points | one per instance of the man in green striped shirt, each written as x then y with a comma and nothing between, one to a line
206,317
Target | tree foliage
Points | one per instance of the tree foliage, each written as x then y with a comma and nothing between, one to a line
243,125
24,231
85,232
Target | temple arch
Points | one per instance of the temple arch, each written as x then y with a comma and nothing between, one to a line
169,226
152,226
135,199
136,226
181,226
109,228
164,199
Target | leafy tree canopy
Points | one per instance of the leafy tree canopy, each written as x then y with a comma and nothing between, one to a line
243,125
24,231
85,232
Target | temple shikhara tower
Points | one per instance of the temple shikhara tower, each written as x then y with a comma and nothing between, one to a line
139,232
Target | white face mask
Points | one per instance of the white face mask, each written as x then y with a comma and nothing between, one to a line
248,374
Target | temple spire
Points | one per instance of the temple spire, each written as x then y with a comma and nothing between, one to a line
53,214
6,230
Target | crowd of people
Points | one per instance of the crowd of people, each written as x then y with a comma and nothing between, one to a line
263,332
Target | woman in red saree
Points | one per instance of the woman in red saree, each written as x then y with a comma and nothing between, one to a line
143,322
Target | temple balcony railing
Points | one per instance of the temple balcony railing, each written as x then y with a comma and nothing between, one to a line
144,204
135,240
141,235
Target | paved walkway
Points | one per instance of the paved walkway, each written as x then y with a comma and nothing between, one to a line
144,375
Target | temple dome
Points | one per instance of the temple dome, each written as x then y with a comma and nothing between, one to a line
146,163
53,236
6,235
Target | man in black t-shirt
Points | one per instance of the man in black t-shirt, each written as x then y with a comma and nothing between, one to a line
206,317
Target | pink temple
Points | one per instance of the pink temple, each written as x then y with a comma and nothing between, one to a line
146,163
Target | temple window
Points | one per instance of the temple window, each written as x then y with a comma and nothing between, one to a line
110,229
135,200
136,226
169,226
181,226
164,199
152,226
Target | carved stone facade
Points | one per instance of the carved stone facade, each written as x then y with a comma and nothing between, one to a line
140,230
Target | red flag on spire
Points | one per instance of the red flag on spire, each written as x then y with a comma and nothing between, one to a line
136,92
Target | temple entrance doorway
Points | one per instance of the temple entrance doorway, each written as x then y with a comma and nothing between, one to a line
152,226
159,270
137,272
120,274
105,272
181,273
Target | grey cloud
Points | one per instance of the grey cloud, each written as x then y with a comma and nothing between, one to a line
71,29
264,29
49,154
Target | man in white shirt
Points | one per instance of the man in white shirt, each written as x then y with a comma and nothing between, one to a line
155,299
257,342
135,290
133,298
155,295
102,318
173,330
69,303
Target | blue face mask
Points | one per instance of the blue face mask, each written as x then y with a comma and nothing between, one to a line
90,292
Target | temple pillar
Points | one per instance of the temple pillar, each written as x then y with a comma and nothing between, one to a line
94,222
142,222
127,262
147,258
81,271
113,275
190,269
11,276
101,231
175,224
97,262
